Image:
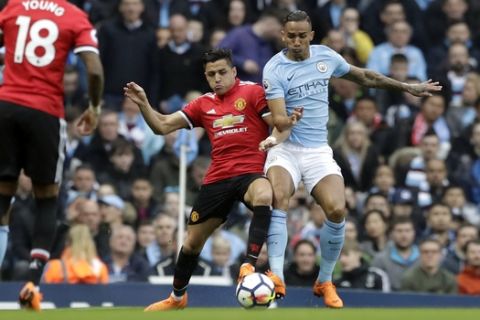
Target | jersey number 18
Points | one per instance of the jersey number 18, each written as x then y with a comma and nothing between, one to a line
37,40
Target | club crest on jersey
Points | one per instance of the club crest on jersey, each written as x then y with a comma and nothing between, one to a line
266,85
240,104
322,67
228,121
194,216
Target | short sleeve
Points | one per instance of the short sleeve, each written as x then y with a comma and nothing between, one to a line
342,66
85,36
259,99
192,113
271,83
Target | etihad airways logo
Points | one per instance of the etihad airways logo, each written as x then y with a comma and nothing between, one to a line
228,121
309,88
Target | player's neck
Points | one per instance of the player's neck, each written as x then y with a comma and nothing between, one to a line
298,57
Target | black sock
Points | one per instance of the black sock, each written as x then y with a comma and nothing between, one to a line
184,268
258,232
43,236
4,205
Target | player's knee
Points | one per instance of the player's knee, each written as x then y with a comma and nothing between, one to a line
281,198
336,213
263,198
191,246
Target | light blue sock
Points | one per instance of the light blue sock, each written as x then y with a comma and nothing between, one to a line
332,236
3,242
277,241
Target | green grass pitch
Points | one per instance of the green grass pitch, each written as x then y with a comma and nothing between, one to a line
240,314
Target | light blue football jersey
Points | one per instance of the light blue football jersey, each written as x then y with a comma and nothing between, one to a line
305,84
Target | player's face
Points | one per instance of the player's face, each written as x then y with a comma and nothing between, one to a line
297,36
220,76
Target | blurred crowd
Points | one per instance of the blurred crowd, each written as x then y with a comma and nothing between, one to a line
411,166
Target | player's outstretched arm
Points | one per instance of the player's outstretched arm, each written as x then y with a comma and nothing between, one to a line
159,123
89,119
373,79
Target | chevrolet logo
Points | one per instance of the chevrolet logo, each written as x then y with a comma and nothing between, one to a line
228,121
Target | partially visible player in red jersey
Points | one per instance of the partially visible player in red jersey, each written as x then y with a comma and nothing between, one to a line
236,118
38,36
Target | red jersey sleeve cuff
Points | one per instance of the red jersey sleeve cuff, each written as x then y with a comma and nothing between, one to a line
187,118
85,49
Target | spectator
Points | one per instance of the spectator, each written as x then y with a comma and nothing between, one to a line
356,274
433,188
400,254
455,259
111,210
356,156
469,278
145,236
355,38
164,245
377,201
134,128
384,181
303,270
431,118
178,58
252,45
98,150
462,210
122,169
428,275
79,262
123,264
117,38
158,12
142,199
398,34
376,226
84,184
430,148
439,224
221,252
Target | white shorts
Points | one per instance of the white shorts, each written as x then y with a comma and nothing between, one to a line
309,165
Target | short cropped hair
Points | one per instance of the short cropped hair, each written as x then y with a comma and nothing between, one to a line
296,16
217,54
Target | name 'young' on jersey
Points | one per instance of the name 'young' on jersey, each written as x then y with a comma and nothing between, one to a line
235,126
305,84
38,35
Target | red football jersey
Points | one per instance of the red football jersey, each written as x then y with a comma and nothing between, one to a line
38,35
234,126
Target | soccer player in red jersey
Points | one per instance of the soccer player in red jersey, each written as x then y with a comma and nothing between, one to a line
38,36
236,118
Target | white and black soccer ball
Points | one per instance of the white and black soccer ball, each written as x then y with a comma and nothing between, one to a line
256,289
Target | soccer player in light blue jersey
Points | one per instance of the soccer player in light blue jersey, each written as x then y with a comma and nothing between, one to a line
294,79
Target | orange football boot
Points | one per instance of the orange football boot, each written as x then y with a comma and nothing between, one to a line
245,270
30,298
280,289
328,291
168,304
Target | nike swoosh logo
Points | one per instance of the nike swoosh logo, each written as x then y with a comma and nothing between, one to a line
290,78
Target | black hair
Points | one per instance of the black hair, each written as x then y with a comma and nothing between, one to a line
296,16
398,57
217,54
304,241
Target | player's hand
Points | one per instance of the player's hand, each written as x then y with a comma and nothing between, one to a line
136,93
88,121
267,144
424,89
296,115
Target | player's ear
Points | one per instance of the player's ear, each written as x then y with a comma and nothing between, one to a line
234,71
312,35
283,35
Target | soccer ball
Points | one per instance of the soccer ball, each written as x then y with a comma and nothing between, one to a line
256,289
